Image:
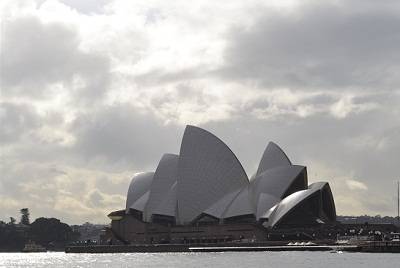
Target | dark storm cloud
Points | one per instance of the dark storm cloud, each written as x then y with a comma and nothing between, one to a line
36,56
123,133
346,44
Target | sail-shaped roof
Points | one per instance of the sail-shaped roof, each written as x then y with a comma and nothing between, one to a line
207,171
140,204
207,180
277,181
163,179
291,202
218,208
140,184
168,206
273,156
241,205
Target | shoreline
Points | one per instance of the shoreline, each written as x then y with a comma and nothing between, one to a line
371,247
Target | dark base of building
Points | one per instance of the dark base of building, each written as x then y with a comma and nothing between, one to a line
130,230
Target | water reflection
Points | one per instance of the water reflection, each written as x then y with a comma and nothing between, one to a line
225,259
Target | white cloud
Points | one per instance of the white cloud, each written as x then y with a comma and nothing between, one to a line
345,106
356,185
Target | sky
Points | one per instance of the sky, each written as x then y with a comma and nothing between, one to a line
93,92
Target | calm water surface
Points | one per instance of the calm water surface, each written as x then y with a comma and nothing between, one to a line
225,259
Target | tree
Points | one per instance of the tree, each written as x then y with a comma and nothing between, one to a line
12,221
24,216
11,239
46,231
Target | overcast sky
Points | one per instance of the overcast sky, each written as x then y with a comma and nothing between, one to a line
95,91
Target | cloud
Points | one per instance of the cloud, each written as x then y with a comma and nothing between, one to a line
54,190
339,44
87,6
39,59
121,133
356,185
345,105
16,120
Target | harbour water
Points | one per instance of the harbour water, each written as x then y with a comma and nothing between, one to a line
223,259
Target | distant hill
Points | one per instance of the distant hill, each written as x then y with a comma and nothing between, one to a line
367,219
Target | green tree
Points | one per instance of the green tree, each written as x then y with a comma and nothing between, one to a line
24,216
12,221
11,239
50,231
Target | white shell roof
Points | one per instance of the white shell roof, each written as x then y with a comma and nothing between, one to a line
241,205
217,209
273,156
265,202
139,185
268,188
164,177
206,177
168,206
207,171
268,213
292,201
141,202
276,181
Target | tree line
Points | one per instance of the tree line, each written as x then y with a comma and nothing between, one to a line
50,233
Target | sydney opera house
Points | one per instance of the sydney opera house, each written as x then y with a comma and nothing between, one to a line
203,194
